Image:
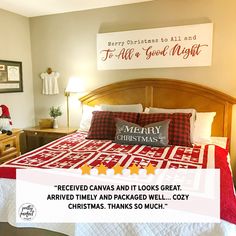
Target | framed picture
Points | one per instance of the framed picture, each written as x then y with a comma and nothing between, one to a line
11,76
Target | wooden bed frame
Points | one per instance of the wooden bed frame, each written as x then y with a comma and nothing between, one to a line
167,93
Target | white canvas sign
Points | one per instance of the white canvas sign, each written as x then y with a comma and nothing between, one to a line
180,46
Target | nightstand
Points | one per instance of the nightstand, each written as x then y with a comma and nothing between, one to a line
9,145
36,137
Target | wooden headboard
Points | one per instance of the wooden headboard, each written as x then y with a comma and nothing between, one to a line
167,93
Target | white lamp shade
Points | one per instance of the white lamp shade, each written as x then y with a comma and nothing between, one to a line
75,85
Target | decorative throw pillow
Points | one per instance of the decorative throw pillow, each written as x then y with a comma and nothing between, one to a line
179,128
155,134
103,123
182,110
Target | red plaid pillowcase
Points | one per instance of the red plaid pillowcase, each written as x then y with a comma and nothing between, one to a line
179,128
103,123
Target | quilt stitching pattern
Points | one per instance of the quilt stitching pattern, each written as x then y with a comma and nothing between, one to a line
75,150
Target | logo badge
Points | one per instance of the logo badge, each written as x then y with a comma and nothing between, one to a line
27,211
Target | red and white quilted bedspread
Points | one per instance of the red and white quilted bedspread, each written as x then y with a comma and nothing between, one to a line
73,151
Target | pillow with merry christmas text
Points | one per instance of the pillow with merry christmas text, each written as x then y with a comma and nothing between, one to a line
155,134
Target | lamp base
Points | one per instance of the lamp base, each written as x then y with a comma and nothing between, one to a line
67,94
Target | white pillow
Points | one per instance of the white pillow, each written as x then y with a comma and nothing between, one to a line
87,113
202,127
171,111
87,117
122,108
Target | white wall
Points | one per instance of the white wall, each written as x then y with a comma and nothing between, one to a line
15,46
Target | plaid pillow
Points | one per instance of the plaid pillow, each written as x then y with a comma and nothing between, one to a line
179,128
103,123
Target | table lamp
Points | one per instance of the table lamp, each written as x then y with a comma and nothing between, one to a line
75,85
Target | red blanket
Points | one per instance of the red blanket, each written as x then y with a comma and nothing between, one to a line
73,151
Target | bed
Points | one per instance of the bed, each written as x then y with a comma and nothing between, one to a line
164,93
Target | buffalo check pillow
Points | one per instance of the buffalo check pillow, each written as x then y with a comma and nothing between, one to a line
155,134
179,128
103,125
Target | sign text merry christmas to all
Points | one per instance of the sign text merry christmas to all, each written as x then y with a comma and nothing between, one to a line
180,46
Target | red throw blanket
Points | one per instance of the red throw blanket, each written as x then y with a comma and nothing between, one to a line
73,151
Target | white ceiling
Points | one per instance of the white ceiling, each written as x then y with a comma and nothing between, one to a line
31,8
